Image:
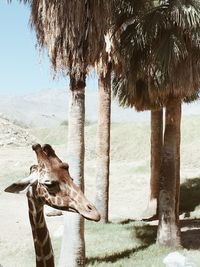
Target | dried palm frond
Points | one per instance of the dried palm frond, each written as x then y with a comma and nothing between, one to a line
192,98
72,31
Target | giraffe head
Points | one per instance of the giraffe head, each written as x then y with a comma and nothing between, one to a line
50,183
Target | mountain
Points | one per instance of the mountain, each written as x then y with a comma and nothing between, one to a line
49,108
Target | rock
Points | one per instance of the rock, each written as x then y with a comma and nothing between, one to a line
54,213
175,259
50,212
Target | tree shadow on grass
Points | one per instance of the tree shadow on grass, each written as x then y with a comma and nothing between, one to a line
127,221
190,233
146,234
190,239
189,195
114,256
143,235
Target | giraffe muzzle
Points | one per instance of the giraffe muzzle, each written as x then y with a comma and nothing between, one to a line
90,212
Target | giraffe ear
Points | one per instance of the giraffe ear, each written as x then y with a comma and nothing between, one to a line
21,186
17,188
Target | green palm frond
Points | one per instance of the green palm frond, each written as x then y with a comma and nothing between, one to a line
185,14
161,48
123,11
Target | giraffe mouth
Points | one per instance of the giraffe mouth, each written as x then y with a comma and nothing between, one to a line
69,209
90,213
95,219
92,219
72,210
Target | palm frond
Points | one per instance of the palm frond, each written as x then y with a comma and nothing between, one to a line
161,48
192,98
72,31
185,14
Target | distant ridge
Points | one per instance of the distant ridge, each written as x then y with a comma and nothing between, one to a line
49,108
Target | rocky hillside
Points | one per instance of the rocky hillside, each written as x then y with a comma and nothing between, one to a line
13,135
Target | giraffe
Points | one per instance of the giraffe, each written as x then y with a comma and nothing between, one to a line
49,183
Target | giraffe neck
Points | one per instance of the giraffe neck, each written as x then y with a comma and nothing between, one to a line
42,242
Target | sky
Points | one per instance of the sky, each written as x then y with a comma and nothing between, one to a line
23,69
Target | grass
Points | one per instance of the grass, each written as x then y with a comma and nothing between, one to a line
123,242
126,245
130,142
115,244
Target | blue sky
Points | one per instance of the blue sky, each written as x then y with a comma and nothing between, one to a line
22,68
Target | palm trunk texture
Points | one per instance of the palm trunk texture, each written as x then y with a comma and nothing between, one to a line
168,229
156,153
178,143
73,244
103,161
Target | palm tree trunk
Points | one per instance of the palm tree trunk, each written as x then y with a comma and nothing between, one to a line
103,161
156,152
168,229
178,142
73,244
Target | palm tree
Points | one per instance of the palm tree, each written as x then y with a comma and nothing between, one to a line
104,68
121,12
103,160
73,33
161,48
128,13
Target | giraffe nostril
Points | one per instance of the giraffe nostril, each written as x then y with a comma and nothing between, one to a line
89,207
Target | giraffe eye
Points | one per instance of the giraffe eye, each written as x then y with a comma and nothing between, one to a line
33,168
52,187
48,182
